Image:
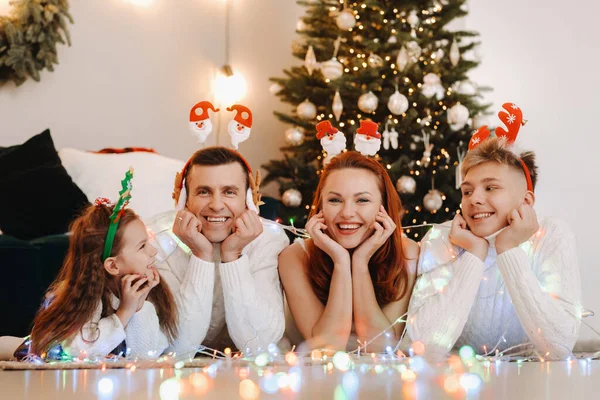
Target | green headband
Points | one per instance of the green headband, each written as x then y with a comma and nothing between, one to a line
118,211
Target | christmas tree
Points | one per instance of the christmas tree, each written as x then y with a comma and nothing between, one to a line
398,64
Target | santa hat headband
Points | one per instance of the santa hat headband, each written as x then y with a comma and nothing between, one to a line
512,117
367,140
239,127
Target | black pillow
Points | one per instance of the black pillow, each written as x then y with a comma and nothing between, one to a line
37,195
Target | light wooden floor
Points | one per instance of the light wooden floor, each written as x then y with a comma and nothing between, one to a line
554,380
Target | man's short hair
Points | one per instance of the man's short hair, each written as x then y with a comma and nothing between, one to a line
494,149
214,156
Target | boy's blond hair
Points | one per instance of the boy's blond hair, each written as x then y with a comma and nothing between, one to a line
494,149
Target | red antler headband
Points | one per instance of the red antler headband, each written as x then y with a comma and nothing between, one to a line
512,117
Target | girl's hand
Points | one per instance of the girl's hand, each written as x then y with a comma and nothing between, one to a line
131,293
384,227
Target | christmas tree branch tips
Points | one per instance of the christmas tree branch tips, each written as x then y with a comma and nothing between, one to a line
398,64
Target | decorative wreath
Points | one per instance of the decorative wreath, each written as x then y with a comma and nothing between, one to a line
28,38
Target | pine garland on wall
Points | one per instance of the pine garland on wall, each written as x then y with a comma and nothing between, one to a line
29,36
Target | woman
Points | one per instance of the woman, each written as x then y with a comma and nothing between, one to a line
356,273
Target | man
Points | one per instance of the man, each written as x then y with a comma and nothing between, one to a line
236,298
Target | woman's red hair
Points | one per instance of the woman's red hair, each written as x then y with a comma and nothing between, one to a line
387,266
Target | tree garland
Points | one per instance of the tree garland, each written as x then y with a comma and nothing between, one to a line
28,38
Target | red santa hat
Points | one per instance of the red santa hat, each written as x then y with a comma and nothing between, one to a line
325,128
369,128
240,118
203,106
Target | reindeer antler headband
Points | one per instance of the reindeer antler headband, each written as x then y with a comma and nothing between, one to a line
512,117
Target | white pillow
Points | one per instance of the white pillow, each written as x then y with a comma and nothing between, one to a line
100,175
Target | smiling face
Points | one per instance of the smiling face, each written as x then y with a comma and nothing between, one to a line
136,255
217,195
490,192
350,201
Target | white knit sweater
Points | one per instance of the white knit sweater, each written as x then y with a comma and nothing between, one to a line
239,303
100,336
530,293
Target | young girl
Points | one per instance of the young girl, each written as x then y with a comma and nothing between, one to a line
357,269
108,297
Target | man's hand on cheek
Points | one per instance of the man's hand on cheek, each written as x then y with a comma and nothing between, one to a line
246,227
188,228
522,224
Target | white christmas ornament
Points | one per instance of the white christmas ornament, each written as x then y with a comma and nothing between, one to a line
397,103
458,115
402,59
390,138
454,53
432,86
294,136
465,87
392,40
406,185
306,110
414,51
291,198
300,25
332,69
275,88
345,20
310,62
413,19
368,102
433,201
337,106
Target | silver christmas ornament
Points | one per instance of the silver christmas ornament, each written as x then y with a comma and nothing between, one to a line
414,51
332,69
406,185
294,136
458,116
402,59
413,19
310,62
345,20
291,198
433,201
454,53
392,40
300,25
368,102
397,103
337,106
306,110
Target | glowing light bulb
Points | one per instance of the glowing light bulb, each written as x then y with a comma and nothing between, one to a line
230,86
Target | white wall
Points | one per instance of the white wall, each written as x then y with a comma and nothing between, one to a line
133,73
543,55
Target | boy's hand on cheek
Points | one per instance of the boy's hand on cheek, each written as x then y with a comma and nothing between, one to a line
461,236
246,228
522,224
